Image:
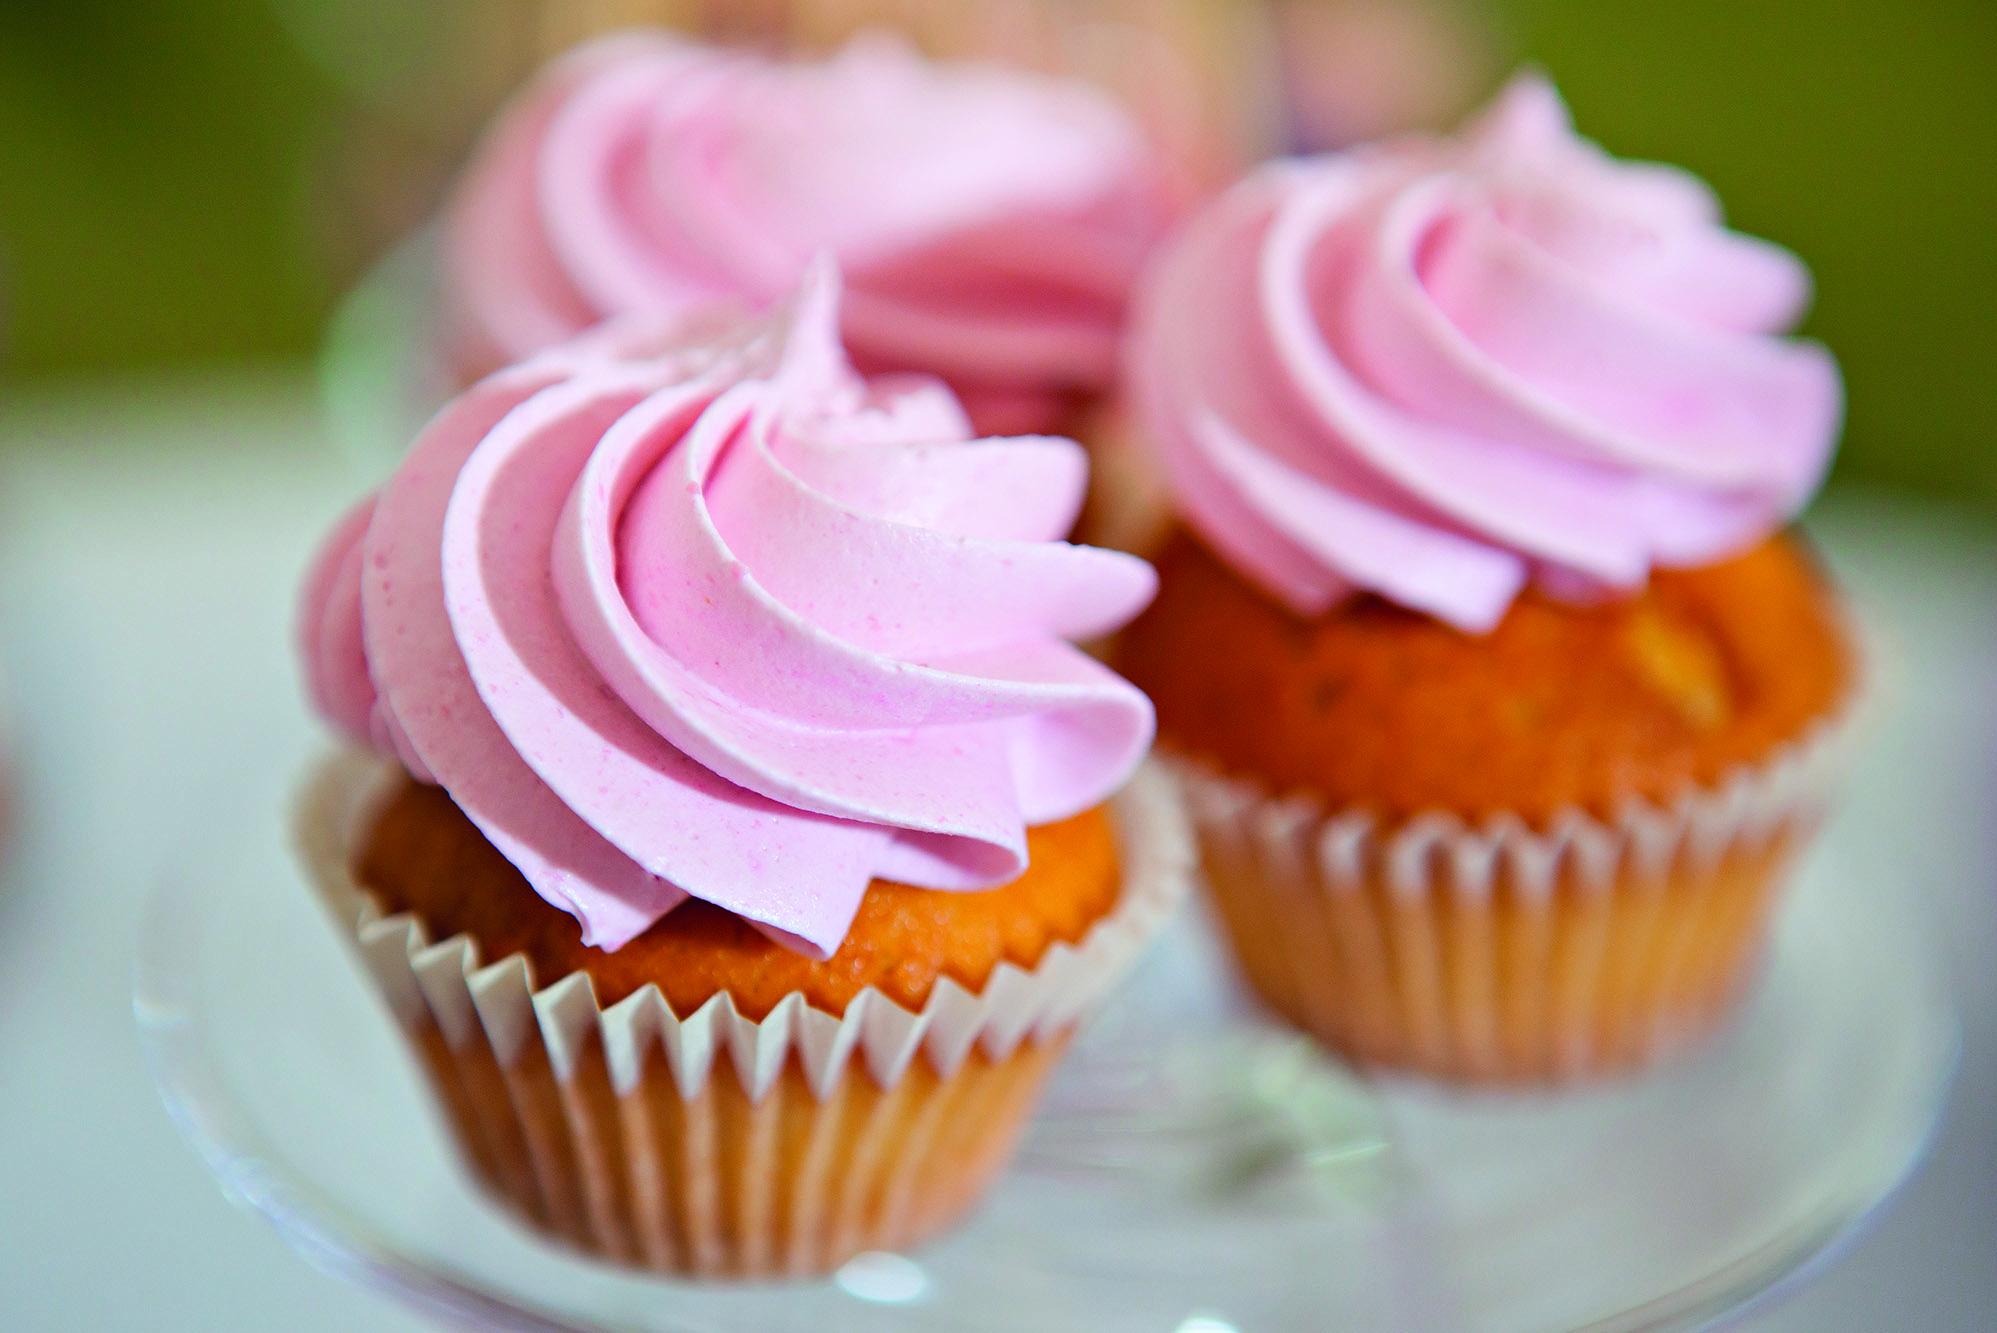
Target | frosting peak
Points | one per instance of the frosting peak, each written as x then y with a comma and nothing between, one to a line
673,614
989,222
1438,369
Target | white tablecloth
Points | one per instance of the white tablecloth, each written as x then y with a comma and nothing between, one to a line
150,541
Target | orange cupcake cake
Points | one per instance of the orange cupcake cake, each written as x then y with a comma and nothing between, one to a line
1502,701
740,854
1559,707
422,856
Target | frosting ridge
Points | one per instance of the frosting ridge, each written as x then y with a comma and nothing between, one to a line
706,613
1439,369
990,222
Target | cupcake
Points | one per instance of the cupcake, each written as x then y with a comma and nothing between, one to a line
1503,700
990,222
1194,73
734,846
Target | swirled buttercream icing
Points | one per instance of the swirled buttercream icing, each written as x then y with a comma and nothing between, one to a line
707,614
990,222
1437,370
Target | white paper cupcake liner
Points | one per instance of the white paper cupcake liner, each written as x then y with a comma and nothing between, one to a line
1497,949
609,1130
446,983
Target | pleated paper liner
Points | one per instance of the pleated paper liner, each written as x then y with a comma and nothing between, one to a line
1501,952
712,1144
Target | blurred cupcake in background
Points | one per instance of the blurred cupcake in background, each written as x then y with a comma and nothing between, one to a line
1193,80
1503,698
1196,74
990,222
739,853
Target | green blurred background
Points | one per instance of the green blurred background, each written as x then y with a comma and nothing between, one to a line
193,182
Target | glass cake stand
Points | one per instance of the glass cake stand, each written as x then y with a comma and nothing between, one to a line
1192,1169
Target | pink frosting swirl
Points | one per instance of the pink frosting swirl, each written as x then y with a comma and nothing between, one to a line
728,621
1436,370
990,223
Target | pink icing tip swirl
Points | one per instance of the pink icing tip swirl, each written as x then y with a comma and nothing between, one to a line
1436,370
710,615
990,223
